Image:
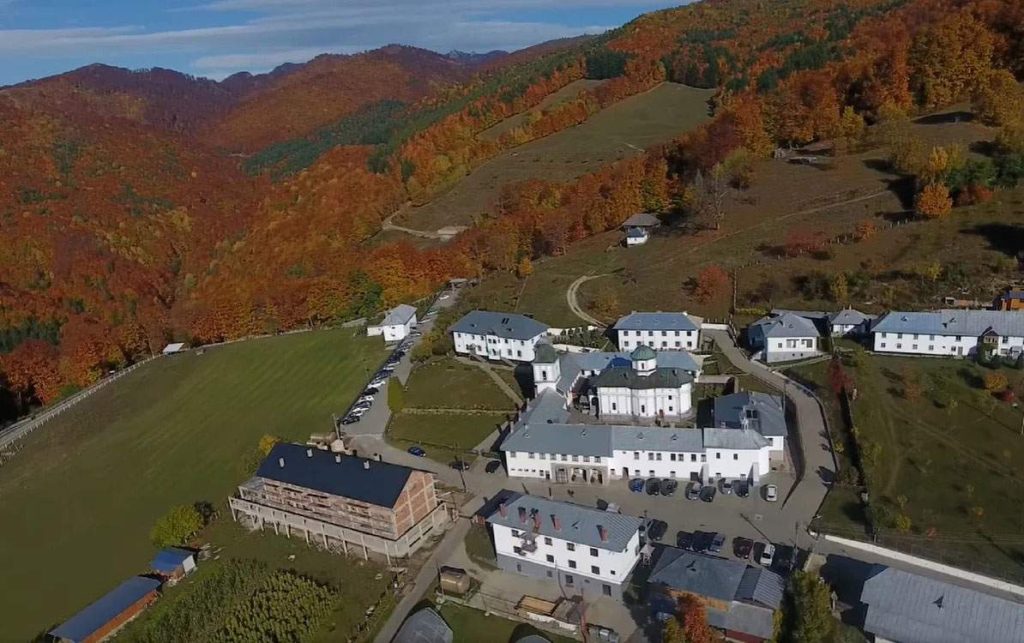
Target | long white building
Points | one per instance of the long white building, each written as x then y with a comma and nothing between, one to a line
949,333
660,331
785,336
584,550
396,325
497,335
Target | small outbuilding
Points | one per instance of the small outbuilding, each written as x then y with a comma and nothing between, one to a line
174,349
107,615
397,323
424,626
638,227
174,563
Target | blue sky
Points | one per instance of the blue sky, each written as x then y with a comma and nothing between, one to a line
216,38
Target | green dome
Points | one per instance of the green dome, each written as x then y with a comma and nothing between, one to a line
641,353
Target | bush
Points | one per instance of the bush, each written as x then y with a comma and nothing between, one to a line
176,526
995,382
933,201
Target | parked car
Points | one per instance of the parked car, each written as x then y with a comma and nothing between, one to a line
459,465
636,485
350,419
771,493
370,390
693,490
443,295
684,540
416,333
701,541
743,489
656,530
717,542
668,486
785,559
727,487
707,493
357,412
742,547
417,451
767,554
653,486
613,508
362,405
492,466
364,398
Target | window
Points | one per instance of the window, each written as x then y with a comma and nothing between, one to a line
594,569
718,456
931,337
519,551
564,457
547,541
515,533
606,589
614,408
915,335
883,335
664,334
931,347
572,564
899,346
544,375
519,568
650,455
882,345
636,455
550,558
597,459
543,456
703,457
612,572
959,337
899,335
519,353
669,398
570,547
678,344
913,347
593,551
575,458
735,456
658,456
586,458
671,409
533,455
664,344
693,457
568,579
550,574
672,457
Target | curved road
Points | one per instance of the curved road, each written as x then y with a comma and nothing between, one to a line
574,306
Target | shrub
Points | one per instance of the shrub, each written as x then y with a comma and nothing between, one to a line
933,201
176,526
995,382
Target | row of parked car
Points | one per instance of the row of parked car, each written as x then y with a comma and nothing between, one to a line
713,542
365,401
697,490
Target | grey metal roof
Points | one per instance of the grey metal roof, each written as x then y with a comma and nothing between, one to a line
786,324
760,411
641,220
577,523
761,586
424,626
399,315
381,483
546,408
656,321
626,377
733,439
506,325
915,609
969,323
848,317
646,438
750,619
545,353
699,574
570,439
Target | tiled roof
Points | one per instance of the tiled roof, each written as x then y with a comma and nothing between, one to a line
969,323
506,325
577,523
371,481
763,412
657,321
915,609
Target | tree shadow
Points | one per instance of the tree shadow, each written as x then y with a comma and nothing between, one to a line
945,118
1001,237
984,148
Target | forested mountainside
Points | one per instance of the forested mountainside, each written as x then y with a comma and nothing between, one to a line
124,236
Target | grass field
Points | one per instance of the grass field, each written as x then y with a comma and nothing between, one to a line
77,503
950,459
567,93
974,244
438,433
358,583
470,626
622,130
448,384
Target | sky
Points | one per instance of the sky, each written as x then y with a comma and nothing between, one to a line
216,38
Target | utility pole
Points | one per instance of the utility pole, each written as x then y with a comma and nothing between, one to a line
459,462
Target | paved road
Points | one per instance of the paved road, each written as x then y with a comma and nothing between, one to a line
424,579
809,444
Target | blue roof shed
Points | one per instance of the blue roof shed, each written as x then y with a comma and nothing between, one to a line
169,560
98,616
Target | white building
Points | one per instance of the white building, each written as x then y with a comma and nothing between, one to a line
396,325
660,331
784,336
638,227
640,384
956,333
849,323
585,550
497,335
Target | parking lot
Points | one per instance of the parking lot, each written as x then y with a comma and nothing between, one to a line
752,517
374,420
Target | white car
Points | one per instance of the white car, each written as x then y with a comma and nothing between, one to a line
358,411
767,555
365,398
771,493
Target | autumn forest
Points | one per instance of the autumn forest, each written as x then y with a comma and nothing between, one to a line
138,208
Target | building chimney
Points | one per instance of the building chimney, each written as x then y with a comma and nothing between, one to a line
380,458
522,515
556,523
309,453
337,458
503,510
603,533
536,522
366,464
280,462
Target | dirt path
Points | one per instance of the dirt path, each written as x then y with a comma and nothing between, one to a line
388,225
574,306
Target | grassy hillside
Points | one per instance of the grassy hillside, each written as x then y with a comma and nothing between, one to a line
77,503
620,131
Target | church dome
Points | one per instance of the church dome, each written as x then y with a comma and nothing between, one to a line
642,353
